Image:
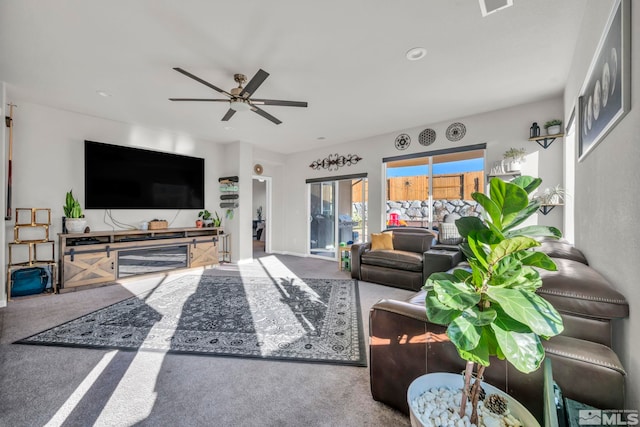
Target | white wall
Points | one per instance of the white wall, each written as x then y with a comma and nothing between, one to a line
49,161
500,130
606,198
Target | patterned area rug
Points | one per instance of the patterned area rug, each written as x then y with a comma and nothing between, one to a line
312,320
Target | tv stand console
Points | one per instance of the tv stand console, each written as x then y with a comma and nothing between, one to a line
104,256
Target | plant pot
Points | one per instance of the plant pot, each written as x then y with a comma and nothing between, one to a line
199,223
514,166
553,130
75,225
207,222
456,382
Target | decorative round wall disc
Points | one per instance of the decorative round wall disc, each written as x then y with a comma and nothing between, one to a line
403,141
456,131
427,137
258,169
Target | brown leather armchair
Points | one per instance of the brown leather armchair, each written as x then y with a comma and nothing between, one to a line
408,264
405,345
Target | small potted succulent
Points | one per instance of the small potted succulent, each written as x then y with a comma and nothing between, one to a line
491,308
513,159
553,126
74,220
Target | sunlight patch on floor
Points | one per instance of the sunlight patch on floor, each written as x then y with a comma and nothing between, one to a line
136,391
284,280
78,394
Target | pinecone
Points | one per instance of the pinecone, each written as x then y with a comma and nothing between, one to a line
496,404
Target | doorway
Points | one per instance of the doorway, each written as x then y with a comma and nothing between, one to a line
261,208
337,214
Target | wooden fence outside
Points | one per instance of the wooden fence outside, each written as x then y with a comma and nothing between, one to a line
448,186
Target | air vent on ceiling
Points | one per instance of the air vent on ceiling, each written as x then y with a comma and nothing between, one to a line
490,6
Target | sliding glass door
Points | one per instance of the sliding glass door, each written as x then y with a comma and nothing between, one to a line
322,206
423,189
337,214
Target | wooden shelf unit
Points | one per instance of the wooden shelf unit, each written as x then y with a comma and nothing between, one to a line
93,258
33,221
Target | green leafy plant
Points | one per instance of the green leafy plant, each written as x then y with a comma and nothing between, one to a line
205,215
514,153
554,122
552,196
217,221
72,208
491,309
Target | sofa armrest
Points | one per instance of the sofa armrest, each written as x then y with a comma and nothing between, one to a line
356,252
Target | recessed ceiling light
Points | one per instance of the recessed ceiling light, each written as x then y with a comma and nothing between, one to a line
103,93
416,53
228,128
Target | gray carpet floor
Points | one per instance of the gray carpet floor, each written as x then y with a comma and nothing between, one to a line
58,386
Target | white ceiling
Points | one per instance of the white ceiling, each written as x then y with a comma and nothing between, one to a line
346,58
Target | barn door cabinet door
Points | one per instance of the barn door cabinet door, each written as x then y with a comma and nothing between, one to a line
89,268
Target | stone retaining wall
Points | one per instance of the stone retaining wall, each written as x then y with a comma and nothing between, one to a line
417,211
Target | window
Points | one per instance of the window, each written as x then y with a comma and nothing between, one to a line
423,188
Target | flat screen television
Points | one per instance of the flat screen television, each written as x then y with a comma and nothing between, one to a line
119,177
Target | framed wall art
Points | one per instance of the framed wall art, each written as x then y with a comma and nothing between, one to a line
605,96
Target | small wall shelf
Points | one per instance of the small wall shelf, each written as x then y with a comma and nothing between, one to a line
545,209
547,140
506,175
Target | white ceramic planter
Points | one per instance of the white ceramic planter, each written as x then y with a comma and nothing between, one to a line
553,130
75,225
456,381
514,166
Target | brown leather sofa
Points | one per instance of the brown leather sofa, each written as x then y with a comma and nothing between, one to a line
404,266
405,345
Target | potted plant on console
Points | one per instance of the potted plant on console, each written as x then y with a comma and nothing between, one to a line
491,308
74,220
206,218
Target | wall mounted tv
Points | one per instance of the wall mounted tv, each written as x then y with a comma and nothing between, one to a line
119,177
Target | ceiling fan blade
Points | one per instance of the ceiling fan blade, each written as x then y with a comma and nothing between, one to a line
281,103
230,113
254,83
198,79
198,99
265,114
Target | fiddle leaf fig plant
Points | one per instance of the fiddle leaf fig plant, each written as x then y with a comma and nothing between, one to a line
491,308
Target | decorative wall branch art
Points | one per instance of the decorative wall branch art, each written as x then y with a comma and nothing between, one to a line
605,97
334,161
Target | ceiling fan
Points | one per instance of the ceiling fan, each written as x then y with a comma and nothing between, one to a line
240,97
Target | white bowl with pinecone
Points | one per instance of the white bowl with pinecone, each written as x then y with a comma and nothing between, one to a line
434,400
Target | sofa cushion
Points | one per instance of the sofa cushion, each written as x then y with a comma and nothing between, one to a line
413,241
381,241
400,260
580,290
448,234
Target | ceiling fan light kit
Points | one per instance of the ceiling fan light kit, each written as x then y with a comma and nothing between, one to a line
239,98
